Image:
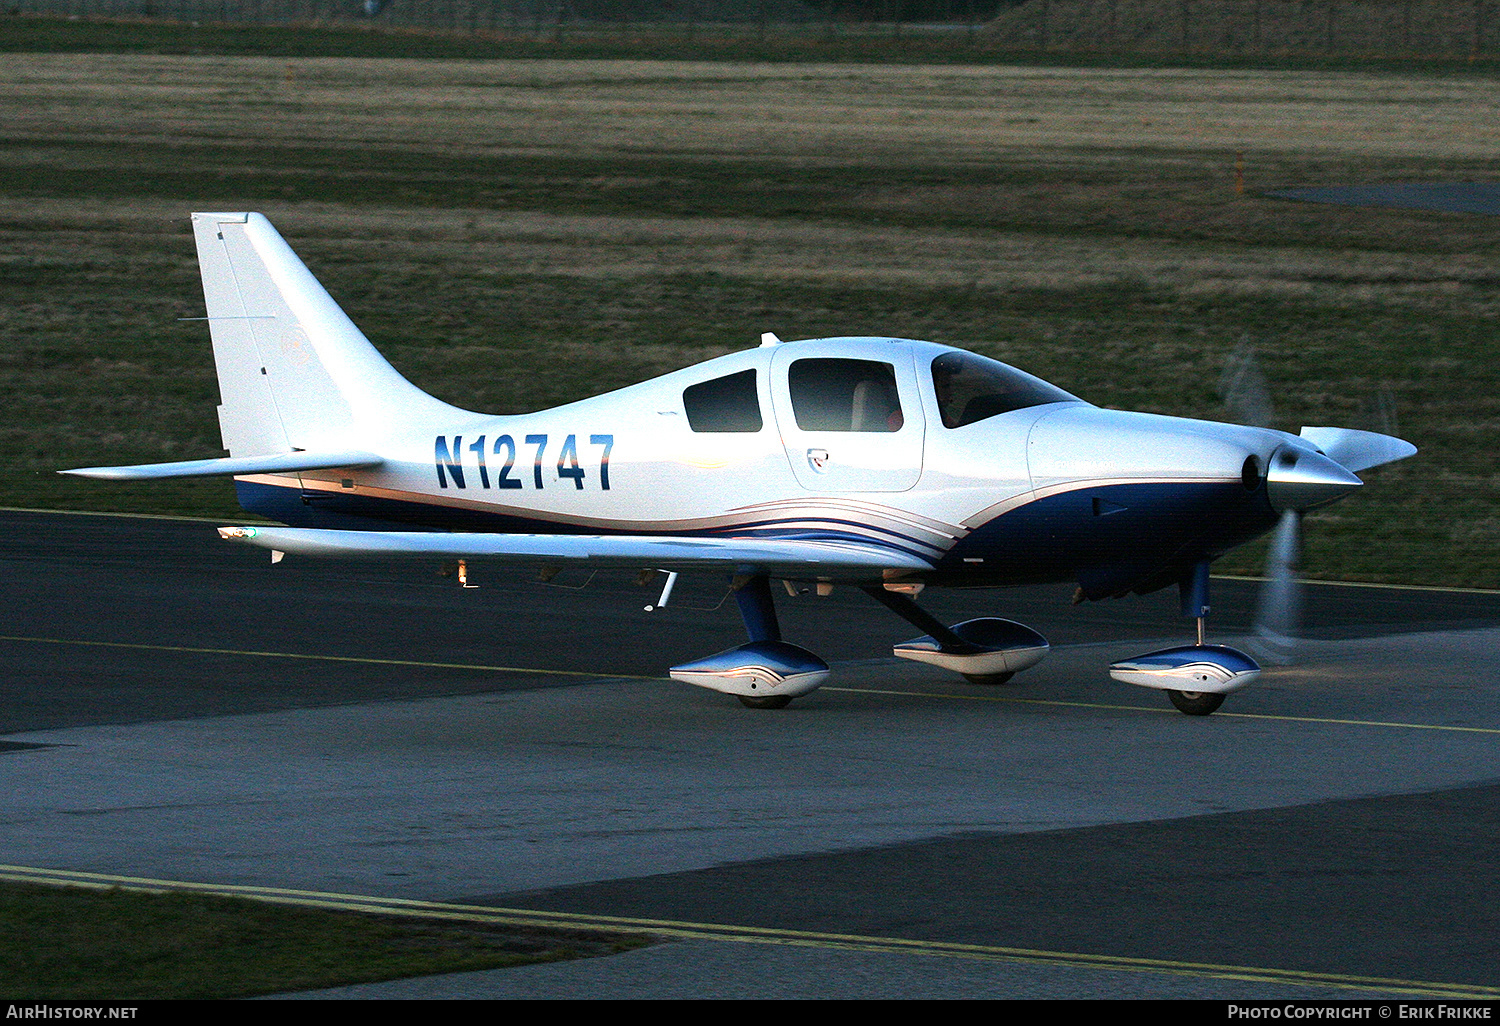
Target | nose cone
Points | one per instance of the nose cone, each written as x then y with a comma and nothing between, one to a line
1301,480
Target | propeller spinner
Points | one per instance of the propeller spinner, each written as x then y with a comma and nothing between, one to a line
1299,480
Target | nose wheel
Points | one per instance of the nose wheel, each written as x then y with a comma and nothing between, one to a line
1195,677
769,702
1195,703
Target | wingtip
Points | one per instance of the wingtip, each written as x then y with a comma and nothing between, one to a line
1358,450
95,473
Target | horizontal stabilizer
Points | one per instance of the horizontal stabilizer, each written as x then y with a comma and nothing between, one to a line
777,556
275,463
1358,450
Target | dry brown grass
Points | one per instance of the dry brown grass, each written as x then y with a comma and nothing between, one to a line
834,112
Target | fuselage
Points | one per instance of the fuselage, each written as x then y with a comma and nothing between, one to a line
992,475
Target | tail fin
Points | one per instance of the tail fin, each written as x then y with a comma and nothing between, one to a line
294,371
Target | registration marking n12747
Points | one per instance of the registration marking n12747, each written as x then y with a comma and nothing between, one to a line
449,460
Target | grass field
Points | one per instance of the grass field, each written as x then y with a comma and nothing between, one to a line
519,233
63,943
1323,35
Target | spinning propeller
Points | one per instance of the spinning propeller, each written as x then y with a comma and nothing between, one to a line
1296,482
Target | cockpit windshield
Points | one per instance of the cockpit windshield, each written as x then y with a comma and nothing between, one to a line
972,388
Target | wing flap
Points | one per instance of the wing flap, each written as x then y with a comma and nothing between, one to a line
277,463
777,556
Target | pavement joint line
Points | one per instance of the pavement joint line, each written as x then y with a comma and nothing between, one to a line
1165,711
679,929
848,690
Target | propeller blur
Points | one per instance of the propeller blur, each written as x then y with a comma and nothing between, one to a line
885,464
1278,612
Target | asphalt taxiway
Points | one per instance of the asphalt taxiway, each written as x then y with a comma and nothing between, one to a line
176,708
1451,197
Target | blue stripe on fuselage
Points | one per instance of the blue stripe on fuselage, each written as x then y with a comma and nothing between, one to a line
353,511
1136,528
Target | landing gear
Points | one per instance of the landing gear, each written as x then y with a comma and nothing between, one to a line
987,651
988,679
1195,677
1195,703
770,702
765,673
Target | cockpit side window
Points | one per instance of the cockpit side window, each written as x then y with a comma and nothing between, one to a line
727,404
845,395
973,388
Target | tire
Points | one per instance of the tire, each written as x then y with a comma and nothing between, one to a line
988,679
1195,703
770,702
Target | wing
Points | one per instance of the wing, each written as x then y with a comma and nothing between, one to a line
777,557
289,462
1358,450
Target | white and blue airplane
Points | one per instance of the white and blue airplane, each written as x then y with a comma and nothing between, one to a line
886,464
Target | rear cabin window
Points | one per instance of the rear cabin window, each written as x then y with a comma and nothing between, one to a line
973,388
845,395
727,404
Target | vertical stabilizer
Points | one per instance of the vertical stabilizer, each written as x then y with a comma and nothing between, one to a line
294,371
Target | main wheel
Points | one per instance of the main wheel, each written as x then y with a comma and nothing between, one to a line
769,702
988,678
1195,703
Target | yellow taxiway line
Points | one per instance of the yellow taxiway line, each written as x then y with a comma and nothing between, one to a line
1315,582
683,930
325,658
1162,710
1155,710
